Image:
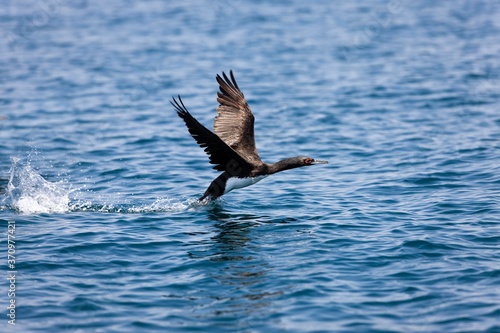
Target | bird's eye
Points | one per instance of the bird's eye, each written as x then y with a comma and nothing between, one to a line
308,161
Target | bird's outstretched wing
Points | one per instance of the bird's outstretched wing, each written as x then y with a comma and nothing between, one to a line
234,122
220,154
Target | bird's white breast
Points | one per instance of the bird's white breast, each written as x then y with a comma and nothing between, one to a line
234,182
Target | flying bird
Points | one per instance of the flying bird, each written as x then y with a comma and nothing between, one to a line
231,147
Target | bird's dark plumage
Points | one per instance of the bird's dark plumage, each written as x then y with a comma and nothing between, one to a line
219,153
232,147
235,121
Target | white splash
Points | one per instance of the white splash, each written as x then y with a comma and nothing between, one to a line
28,192
164,205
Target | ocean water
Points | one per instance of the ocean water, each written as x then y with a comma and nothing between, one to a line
99,177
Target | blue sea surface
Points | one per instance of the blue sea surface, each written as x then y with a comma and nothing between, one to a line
99,177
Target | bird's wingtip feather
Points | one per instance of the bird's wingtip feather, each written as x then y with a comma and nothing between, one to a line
179,106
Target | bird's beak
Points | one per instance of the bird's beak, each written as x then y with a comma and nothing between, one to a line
319,162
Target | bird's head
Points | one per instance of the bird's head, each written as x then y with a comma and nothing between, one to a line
294,162
310,161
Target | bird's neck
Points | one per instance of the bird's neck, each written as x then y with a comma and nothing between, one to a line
285,164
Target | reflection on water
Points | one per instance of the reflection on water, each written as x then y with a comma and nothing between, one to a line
238,266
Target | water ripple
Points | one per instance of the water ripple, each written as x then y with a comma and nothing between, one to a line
399,233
